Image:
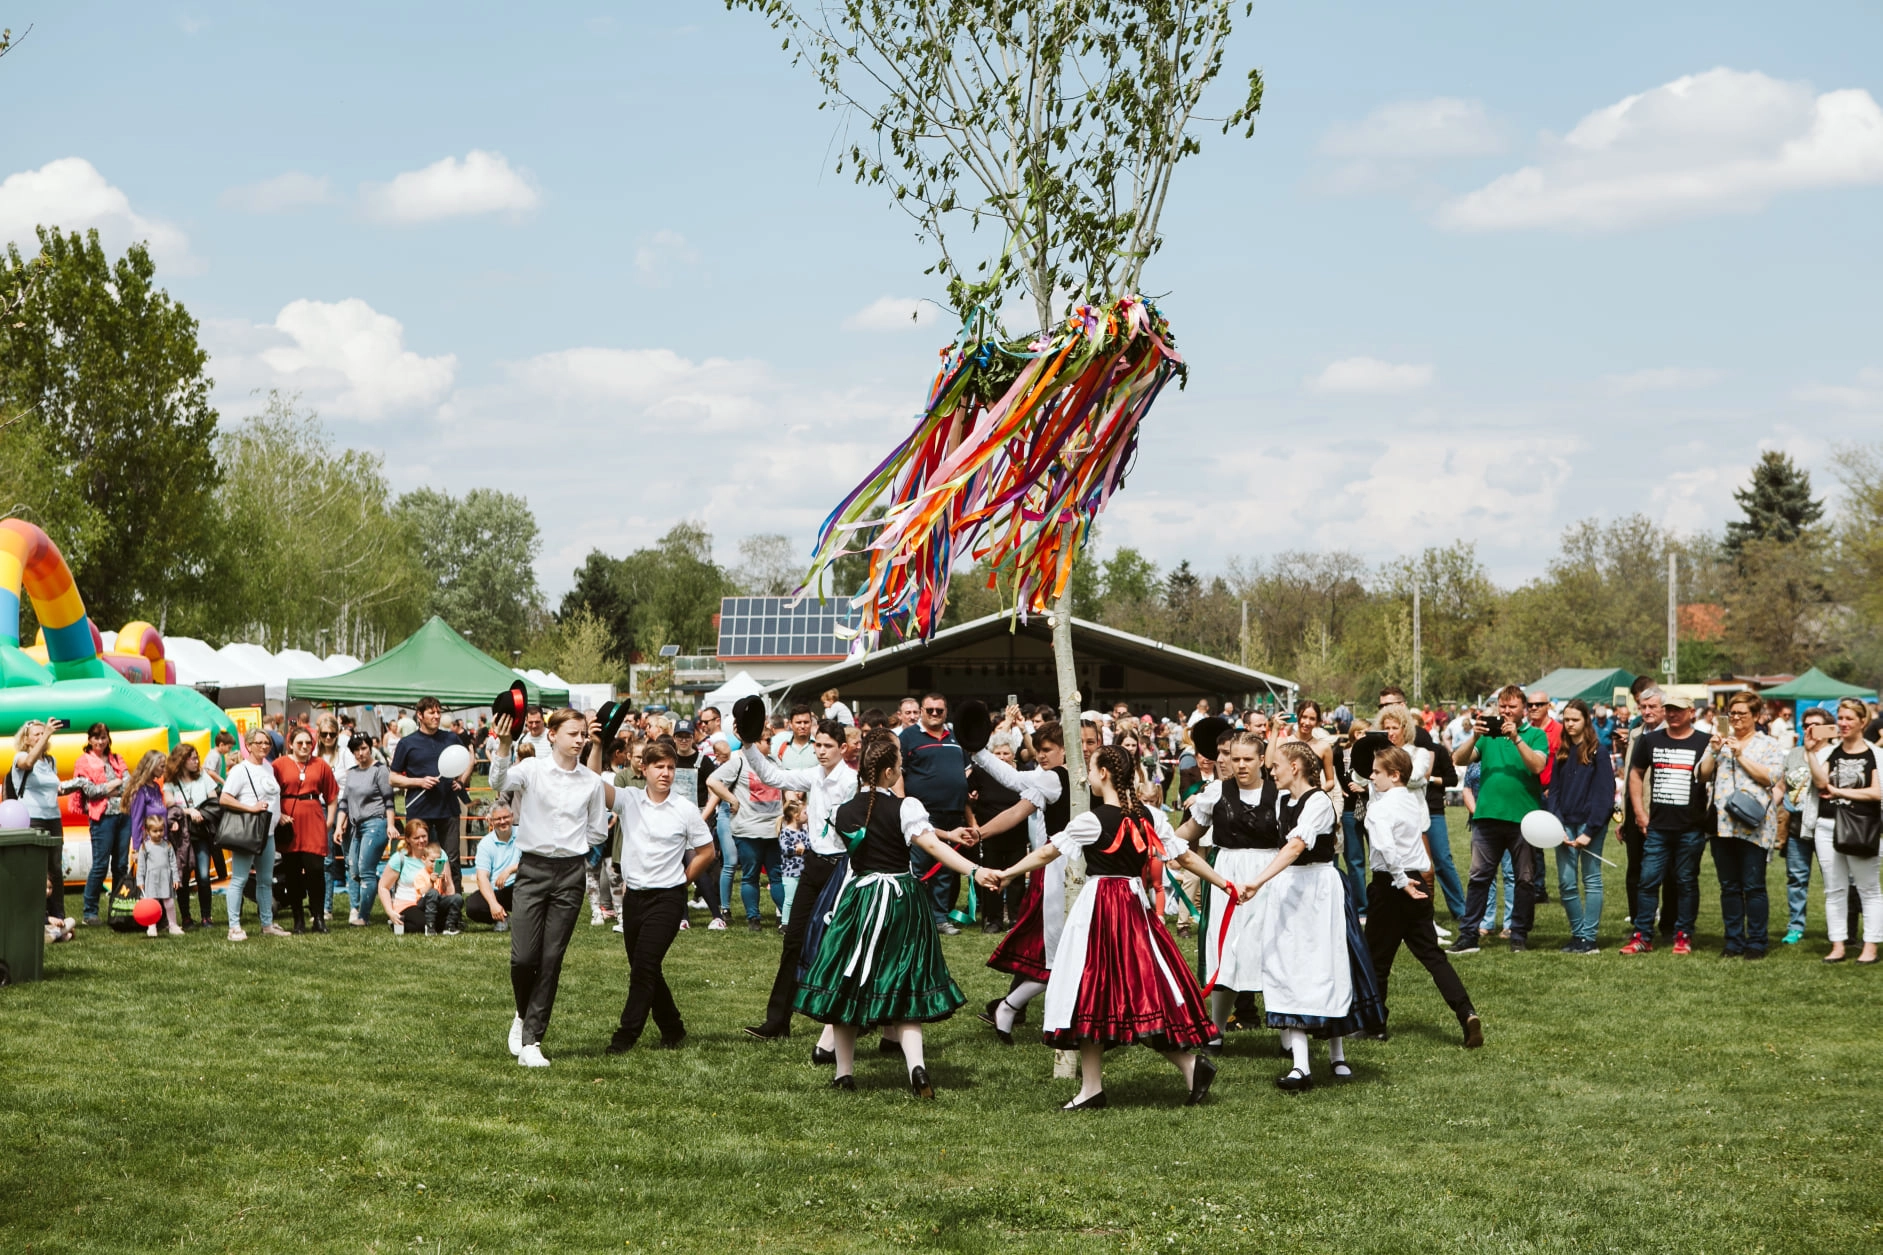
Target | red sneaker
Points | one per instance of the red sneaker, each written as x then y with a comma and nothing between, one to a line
1683,944
1638,945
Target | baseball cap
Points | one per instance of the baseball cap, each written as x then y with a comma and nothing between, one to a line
1677,701
683,728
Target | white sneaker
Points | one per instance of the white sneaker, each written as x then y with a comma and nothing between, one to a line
516,1036
175,931
1443,934
236,934
620,929
151,931
698,904
717,926
594,916
531,1056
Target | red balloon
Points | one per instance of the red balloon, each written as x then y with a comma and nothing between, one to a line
147,911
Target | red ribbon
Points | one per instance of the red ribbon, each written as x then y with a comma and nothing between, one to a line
1222,934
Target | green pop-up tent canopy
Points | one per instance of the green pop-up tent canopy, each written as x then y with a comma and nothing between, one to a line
432,662
1815,686
1591,684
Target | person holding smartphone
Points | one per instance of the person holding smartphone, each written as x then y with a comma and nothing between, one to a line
1512,755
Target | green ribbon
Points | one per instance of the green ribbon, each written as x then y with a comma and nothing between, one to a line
1182,897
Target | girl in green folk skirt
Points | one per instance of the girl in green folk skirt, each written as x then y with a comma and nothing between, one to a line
880,962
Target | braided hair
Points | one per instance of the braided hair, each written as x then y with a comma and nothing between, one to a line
1118,764
878,755
1303,757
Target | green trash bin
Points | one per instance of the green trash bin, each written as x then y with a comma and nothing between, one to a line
23,902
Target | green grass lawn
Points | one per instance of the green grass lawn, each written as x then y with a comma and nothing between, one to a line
353,1093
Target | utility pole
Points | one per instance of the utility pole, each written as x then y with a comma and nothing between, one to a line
1245,634
1671,664
1418,669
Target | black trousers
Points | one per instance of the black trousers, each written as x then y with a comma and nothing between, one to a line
997,852
1393,918
1491,839
549,894
650,920
55,867
479,910
306,877
817,870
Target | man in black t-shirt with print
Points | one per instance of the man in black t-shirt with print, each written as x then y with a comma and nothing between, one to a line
1667,795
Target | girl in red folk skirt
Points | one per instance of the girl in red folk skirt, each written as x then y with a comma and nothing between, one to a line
1117,976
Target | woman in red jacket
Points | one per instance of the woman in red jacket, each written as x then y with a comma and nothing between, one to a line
308,797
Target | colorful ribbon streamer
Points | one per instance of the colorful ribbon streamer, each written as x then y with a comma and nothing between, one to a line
1222,935
1019,448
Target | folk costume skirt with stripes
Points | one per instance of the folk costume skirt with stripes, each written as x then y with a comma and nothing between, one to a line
1118,976
880,959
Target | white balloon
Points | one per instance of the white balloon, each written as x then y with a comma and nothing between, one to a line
1543,830
452,761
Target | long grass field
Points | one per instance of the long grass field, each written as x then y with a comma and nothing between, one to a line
353,1092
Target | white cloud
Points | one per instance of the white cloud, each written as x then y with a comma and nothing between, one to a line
1370,375
893,313
1866,393
661,255
344,357
1690,500
1393,146
1723,141
70,194
1661,378
483,183
285,191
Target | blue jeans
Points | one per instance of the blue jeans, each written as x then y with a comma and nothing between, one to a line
263,865
1353,854
1798,852
728,857
1662,853
1579,880
111,851
1446,872
366,845
756,853
1744,906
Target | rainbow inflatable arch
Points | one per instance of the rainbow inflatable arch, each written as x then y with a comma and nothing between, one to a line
67,675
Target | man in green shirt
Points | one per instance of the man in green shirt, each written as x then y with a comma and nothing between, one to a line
1512,755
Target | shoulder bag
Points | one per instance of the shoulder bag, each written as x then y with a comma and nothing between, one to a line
243,832
1854,835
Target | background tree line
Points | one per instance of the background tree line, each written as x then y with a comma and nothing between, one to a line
263,530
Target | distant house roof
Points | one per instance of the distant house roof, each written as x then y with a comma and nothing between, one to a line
1197,671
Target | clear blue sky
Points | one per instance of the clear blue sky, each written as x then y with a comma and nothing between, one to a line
1483,270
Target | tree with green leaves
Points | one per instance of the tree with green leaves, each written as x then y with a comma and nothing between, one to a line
107,368
1778,504
317,559
478,553
1057,125
666,594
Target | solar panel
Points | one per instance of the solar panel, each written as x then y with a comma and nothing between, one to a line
771,627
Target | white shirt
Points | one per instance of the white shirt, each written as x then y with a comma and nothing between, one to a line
559,814
1415,783
340,762
823,794
251,784
539,742
39,788
655,837
841,713
1394,821
1035,785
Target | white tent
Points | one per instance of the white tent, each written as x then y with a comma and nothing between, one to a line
197,663
340,664
274,676
740,685
302,665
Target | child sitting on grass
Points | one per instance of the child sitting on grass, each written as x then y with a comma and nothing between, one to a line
158,874
416,887
793,840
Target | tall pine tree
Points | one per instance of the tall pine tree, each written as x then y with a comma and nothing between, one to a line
1778,505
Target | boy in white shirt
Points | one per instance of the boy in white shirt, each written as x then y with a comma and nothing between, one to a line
1399,899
